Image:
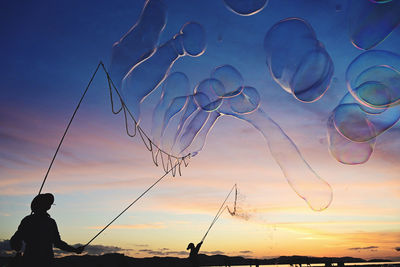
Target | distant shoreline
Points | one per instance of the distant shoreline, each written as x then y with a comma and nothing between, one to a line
119,260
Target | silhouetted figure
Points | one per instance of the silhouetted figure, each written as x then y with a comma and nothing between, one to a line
40,233
194,252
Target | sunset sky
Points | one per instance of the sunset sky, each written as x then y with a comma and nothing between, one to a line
49,52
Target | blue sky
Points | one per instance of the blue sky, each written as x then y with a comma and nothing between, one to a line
50,51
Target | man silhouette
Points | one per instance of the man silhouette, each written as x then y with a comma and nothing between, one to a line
194,252
40,233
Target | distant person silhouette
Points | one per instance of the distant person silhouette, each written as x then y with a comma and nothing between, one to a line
40,233
194,252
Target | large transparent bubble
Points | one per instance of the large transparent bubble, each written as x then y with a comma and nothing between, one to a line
370,22
145,77
297,60
346,151
372,105
230,78
381,69
207,94
139,42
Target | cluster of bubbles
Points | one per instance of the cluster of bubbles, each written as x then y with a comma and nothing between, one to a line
145,77
305,69
370,108
188,118
370,22
183,118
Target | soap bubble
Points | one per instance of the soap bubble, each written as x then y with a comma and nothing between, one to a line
297,61
345,150
147,76
370,22
140,41
231,79
372,105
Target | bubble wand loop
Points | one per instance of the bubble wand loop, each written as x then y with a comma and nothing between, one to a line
150,146
220,211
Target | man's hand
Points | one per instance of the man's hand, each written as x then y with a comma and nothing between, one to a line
79,249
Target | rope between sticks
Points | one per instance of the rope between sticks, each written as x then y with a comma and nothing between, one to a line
146,140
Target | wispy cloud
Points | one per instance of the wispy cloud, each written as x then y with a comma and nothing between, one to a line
397,248
141,245
364,248
214,252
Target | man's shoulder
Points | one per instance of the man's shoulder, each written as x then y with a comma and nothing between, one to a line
27,218
35,217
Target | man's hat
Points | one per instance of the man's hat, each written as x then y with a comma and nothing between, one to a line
42,202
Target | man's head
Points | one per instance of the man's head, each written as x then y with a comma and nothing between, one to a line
190,246
42,202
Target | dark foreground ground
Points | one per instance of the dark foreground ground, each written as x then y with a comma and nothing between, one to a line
120,260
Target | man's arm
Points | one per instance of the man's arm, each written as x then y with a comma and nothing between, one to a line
58,243
16,239
198,246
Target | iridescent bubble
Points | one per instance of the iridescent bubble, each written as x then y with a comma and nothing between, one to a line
372,105
140,41
207,94
246,102
345,150
376,96
245,7
231,79
353,121
375,66
370,22
145,77
297,61
207,97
